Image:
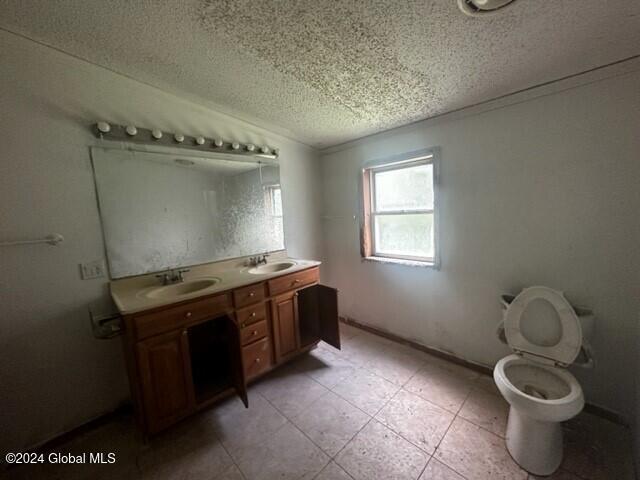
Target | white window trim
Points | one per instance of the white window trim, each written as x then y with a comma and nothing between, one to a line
425,156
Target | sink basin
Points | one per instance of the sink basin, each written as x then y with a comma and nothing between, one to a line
184,288
271,268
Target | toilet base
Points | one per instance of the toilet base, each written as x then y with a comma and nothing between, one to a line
536,446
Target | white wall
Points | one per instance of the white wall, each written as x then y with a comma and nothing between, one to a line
53,374
543,191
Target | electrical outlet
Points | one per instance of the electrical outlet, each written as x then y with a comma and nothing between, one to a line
91,270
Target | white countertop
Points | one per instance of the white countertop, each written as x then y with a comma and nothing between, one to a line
129,293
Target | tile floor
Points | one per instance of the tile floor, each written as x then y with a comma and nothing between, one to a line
375,410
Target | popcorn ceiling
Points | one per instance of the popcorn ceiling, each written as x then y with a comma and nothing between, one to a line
326,72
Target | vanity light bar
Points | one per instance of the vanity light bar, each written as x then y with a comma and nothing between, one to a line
131,133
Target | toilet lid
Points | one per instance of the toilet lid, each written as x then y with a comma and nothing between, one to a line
541,324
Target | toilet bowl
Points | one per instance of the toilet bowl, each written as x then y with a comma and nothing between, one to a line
545,333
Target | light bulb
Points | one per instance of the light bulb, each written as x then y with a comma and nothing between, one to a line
235,145
178,137
131,130
157,134
265,149
218,143
104,127
200,140
250,148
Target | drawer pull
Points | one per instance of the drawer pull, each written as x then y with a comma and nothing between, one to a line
258,360
252,294
242,325
188,314
253,314
255,332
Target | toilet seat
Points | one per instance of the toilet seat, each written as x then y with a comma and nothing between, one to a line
542,350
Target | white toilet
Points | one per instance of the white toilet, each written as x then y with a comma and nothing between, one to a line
545,333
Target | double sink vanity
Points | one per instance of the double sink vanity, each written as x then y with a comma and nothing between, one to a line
197,334
219,327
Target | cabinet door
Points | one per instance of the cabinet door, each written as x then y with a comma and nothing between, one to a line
235,351
318,315
165,375
284,313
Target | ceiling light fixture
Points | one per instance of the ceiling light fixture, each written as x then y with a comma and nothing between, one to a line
476,8
156,137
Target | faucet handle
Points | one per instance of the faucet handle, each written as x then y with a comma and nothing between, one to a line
164,277
180,272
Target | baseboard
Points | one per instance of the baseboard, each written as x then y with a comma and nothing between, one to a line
418,346
596,410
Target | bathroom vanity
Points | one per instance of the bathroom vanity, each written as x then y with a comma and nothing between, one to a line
195,335
184,354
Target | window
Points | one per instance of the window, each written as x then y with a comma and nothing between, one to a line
399,210
274,200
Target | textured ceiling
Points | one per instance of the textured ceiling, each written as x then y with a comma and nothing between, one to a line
326,71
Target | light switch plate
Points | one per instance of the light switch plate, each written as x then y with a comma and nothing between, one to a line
92,270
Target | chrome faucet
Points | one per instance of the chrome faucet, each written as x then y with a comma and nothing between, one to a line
172,276
258,260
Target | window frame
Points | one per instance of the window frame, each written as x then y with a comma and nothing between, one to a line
369,210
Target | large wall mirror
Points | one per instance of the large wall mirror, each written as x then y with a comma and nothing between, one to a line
168,210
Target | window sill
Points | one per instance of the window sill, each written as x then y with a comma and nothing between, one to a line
401,261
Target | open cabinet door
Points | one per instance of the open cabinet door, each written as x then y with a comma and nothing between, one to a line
235,355
328,318
318,315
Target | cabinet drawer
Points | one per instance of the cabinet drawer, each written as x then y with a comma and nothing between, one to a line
293,281
256,358
172,318
252,314
248,295
253,332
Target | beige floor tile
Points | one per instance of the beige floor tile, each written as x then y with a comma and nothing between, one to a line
330,422
477,454
232,473
237,426
440,386
417,420
453,368
439,471
287,455
348,331
363,349
395,364
558,475
191,450
290,391
366,391
486,383
378,453
487,411
596,449
333,472
325,366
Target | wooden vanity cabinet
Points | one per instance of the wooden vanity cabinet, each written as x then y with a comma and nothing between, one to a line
183,357
165,378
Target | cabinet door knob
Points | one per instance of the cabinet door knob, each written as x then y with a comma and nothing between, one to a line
188,314
242,325
184,332
257,360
